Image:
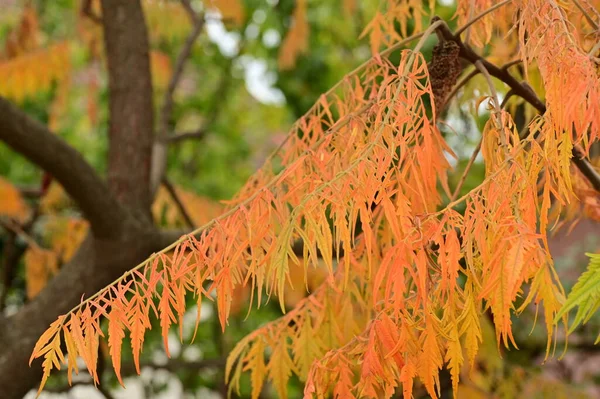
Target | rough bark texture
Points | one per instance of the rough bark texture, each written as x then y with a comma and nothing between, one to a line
130,100
44,148
119,212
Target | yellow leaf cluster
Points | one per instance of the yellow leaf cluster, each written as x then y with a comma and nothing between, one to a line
25,36
160,65
34,71
64,236
11,202
40,265
360,173
295,42
55,199
231,10
166,20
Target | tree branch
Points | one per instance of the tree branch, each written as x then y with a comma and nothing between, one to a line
94,266
159,162
523,91
171,189
131,122
184,54
45,149
86,9
179,137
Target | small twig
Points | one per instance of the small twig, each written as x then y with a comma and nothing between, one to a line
159,156
19,231
524,92
468,28
587,16
461,182
171,189
488,78
497,114
217,106
30,191
471,75
461,84
506,98
179,137
86,10
184,54
592,8
9,263
479,16
594,49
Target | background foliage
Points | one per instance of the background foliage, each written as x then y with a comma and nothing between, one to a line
52,66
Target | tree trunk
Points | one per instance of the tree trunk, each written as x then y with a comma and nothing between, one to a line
122,234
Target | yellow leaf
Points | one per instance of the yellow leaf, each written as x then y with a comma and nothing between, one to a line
230,9
66,235
296,40
34,71
166,20
160,64
40,264
11,201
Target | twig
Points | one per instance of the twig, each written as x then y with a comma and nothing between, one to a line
488,78
171,189
179,137
86,10
9,263
524,92
506,98
468,28
461,182
479,16
275,179
587,16
184,54
159,156
19,231
594,49
461,84
470,76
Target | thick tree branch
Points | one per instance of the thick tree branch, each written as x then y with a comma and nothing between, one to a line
95,265
121,236
131,122
45,149
521,90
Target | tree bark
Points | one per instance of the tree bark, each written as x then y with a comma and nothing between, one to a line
119,213
130,101
45,149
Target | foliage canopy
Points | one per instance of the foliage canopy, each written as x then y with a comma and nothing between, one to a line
362,181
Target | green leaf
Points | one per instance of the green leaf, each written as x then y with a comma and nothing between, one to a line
585,294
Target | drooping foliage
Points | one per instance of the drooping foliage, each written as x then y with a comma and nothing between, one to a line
361,180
